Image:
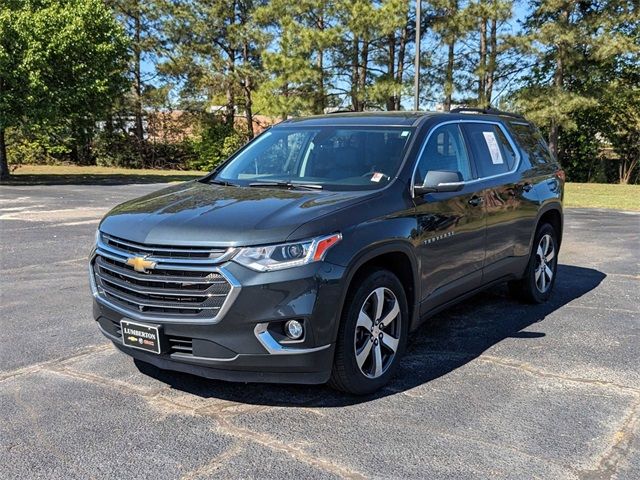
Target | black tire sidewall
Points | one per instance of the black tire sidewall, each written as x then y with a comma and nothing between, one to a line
352,378
536,295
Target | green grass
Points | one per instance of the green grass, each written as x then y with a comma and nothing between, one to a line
602,195
71,174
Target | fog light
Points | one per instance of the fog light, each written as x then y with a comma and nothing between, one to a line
293,329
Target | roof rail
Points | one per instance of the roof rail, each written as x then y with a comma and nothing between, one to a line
486,111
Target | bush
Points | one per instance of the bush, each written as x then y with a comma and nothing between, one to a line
215,143
123,150
35,147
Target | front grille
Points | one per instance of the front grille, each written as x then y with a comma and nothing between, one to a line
184,284
140,249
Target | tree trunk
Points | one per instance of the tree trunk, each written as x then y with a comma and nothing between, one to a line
452,11
493,57
558,83
364,62
402,48
391,65
285,93
626,169
137,77
355,71
247,85
448,81
248,110
320,97
482,63
229,111
4,163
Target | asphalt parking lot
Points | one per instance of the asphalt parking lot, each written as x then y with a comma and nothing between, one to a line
488,389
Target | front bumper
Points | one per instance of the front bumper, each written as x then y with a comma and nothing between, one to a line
246,344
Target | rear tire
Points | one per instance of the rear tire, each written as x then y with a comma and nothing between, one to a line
539,278
372,335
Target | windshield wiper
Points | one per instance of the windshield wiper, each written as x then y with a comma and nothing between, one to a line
288,185
223,183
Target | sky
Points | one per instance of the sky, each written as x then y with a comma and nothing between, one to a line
521,9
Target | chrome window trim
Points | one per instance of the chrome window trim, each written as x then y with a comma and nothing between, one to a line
479,179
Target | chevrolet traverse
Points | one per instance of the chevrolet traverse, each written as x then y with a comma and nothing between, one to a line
312,253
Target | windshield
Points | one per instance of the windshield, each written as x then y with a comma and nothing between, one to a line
333,158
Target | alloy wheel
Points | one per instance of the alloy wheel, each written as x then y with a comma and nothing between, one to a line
377,334
545,258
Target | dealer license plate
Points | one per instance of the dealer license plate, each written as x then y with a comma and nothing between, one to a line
141,336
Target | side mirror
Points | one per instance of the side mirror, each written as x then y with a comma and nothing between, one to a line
440,181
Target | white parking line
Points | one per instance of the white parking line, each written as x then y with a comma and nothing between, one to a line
17,209
58,215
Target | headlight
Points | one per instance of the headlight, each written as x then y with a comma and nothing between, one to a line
286,255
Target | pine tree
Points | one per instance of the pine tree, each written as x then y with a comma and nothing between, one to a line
302,34
213,49
364,57
487,24
450,24
138,18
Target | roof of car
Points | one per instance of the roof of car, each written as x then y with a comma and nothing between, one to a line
389,119
386,119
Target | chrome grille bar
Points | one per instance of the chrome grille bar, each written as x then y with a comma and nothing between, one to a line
159,291
194,290
154,278
178,262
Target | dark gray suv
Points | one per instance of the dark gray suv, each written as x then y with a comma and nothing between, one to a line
314,251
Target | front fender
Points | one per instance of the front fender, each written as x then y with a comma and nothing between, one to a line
369,254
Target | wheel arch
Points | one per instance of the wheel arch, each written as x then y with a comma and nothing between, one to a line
550,213
396,257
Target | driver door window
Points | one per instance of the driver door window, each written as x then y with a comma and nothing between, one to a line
446,151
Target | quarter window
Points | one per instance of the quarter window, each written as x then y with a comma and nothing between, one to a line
533,143
446,151
490,148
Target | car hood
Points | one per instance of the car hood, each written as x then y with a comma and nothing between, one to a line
196,213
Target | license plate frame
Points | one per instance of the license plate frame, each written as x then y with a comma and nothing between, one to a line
142,336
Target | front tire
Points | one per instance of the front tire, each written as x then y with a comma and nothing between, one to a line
539,278
372,334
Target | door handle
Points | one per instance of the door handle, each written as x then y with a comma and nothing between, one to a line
475,201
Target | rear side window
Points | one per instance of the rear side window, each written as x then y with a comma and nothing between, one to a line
445,150
490,148
533,143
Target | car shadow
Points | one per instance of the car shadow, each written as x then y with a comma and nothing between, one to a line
444,343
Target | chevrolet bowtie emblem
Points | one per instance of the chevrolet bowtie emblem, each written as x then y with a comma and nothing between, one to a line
140,264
